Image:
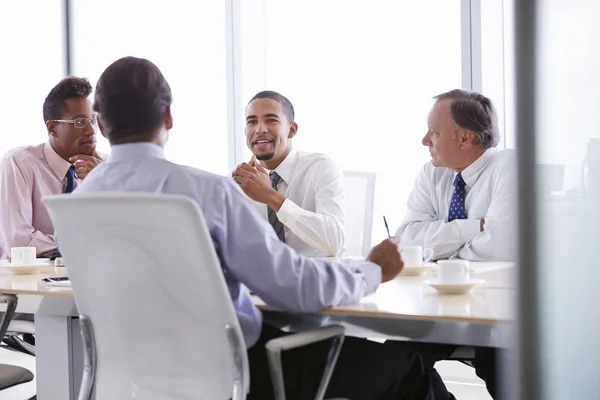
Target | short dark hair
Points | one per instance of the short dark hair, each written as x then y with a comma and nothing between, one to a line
288,108
474,112
132,97
71,87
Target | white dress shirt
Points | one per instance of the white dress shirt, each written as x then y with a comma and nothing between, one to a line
491,195
314,212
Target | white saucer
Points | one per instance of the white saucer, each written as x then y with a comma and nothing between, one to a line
455,288
25,269
416,269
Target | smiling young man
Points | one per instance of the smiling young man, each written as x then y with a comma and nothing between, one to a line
301,194
29,173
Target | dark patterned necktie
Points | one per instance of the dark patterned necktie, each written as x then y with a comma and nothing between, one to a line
457,205
273,220
70,180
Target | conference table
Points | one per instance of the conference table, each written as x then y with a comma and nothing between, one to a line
405,308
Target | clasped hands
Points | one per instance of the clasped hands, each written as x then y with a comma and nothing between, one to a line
254,180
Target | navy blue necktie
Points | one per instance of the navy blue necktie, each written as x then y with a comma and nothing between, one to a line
70,180
457,205
273,220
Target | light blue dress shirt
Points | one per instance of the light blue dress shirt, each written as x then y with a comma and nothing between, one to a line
249,251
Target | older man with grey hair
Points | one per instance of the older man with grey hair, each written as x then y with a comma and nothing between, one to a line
463,202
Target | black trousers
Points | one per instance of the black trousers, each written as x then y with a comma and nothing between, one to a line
365,371
484,363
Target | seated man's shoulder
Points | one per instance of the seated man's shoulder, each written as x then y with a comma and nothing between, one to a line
318,169
318,161
193,171
20,155
316,157
199,175
503,159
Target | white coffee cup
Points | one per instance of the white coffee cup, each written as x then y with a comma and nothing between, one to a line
453,271
20,256
412,256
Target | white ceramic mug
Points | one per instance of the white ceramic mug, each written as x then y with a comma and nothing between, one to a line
20,256
412,256
453,271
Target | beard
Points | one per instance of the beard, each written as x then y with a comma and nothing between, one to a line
265,157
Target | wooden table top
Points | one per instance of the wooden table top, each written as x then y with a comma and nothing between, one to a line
32,283
403,297
410,297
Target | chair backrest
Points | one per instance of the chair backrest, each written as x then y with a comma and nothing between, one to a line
145,272
360,194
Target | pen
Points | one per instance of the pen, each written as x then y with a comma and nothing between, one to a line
386,227
56,279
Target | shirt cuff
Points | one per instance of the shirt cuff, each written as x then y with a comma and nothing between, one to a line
372,274
289,213
469,228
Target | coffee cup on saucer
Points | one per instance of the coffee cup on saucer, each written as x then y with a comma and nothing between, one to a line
20,256
416,260
454,277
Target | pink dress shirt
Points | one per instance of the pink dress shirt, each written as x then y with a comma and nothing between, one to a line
26,175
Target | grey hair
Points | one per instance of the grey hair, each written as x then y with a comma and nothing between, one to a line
472,111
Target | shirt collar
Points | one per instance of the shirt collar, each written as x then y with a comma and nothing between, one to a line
127,151
59,166
286,169
473,171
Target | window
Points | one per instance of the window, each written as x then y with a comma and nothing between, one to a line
497,64
25,48
361,76
187,44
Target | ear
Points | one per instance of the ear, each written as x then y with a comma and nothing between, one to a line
293,130
101,126
466,138
168,119
51,127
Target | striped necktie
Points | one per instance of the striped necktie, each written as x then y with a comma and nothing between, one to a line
70,180
273,220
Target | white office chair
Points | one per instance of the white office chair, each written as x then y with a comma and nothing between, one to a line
360,195
156,315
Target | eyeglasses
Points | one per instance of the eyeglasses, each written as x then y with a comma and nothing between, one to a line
78,122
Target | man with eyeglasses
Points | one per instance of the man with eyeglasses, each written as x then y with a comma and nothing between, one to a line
29,173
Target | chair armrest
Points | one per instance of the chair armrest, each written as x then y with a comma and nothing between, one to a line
276,346
303,338
11,305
